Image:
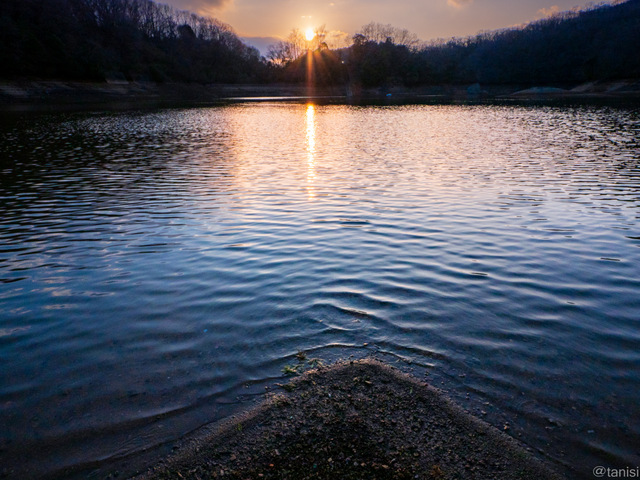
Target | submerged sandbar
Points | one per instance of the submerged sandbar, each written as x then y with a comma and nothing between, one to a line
353,420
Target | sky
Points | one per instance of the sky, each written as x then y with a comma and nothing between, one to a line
429,19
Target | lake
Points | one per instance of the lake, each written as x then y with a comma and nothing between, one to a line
159,269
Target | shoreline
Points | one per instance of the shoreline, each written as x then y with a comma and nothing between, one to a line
52,95
357,419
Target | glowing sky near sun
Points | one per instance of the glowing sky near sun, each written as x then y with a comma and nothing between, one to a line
430,19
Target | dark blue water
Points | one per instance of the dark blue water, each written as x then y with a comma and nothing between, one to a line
159,269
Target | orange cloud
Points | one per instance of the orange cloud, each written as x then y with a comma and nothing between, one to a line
338,39
548,12
206,7
459,3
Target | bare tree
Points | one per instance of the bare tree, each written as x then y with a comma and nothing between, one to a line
379,33
296,45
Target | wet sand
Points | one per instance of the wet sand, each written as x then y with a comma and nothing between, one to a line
353,420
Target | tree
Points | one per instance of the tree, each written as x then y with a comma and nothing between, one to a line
379,33
296,45
135,39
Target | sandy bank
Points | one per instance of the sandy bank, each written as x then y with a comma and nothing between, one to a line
49,94
354,420
133,94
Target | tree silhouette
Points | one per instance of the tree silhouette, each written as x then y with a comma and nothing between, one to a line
143,40
133,39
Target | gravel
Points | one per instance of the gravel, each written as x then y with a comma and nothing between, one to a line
352,420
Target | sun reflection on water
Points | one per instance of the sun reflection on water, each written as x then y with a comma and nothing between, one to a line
311,151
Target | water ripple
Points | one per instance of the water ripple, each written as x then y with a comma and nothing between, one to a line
158,269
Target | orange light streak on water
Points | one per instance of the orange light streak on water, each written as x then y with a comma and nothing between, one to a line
311,151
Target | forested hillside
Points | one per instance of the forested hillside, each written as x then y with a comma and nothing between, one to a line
599,43
128,39
142,40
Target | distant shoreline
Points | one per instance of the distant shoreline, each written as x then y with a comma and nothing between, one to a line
49,94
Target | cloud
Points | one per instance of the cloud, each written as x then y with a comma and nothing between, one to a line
549,12
203,7
459,3
261,43
338,39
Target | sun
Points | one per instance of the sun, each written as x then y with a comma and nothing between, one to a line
309,34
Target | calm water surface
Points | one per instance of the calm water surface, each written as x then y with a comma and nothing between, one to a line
159,269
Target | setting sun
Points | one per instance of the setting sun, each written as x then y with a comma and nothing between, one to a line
309,34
